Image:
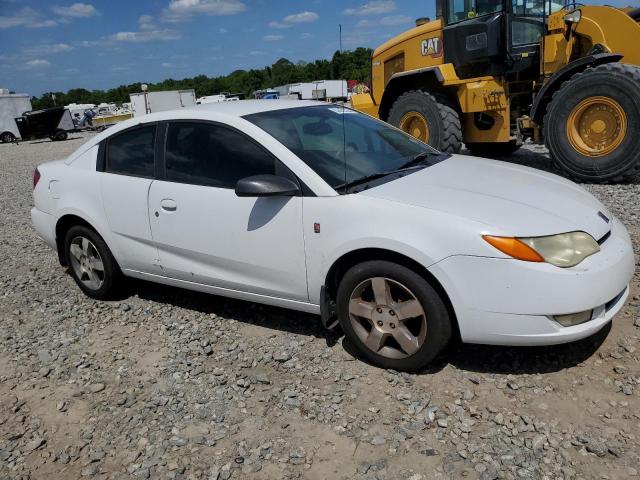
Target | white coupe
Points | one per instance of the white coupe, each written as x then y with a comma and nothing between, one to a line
317,208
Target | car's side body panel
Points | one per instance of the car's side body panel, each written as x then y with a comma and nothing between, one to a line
353,222
124,200
75,190
211,236
228,292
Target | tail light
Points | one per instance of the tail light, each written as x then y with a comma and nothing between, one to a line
36,177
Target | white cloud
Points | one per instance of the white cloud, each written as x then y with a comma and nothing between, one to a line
184,9
395,20
295,18
146,22
166,64
257,53
303,17
37,63
276,24
375,7
87,43
43,24
389,21
306,35
272,38
145,36
48,49
76,10
26,17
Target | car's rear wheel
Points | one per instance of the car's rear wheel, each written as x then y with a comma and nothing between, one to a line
392,316
91,263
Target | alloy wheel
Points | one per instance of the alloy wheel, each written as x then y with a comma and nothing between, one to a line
87,263
387,317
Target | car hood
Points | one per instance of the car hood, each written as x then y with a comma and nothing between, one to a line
509,199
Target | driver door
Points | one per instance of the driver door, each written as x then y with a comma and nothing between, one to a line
206,234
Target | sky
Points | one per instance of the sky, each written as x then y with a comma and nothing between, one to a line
57,45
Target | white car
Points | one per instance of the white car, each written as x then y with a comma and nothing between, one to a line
317,208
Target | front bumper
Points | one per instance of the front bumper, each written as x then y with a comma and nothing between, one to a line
511,302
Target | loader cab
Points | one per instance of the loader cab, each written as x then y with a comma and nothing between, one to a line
494,37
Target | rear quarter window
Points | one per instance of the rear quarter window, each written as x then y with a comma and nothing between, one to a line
132,152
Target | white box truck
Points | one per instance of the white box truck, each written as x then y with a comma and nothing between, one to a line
330,90
303,90
151,102
12,105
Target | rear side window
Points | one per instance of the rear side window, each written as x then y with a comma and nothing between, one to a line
213,155
132,152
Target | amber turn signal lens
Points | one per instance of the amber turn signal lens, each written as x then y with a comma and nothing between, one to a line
514,248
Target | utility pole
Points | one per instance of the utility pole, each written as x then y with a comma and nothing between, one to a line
340,38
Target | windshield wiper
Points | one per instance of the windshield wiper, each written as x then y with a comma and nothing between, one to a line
361,180
415,162
418,159
375,176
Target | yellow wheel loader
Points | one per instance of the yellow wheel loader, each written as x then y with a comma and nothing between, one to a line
492,73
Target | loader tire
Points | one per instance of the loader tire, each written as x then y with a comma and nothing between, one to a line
592,123
493,149
430,117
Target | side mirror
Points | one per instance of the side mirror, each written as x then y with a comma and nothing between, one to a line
266,186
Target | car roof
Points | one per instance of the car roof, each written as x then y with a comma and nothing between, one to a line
247,107
207,111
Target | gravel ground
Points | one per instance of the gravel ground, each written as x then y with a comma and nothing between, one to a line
167,383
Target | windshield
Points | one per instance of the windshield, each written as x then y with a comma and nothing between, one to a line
460,10
342,145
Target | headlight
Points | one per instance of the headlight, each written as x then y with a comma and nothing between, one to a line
562,250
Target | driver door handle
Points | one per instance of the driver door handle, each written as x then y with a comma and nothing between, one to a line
168,205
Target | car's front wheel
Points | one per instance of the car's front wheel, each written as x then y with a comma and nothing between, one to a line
92,265
392,316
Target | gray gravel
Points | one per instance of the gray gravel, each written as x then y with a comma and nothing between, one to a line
169,384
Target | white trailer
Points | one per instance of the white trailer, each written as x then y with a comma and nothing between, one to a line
151,102
330,90
217,99
12,105
304,91
78,109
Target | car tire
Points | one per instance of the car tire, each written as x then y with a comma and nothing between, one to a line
613,88
91,263
434,112
7,137
493,150
388,328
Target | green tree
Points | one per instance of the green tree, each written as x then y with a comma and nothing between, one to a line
348,65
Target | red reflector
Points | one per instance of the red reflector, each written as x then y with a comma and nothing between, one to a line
316,227
36,177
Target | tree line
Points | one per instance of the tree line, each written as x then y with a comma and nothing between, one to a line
349,65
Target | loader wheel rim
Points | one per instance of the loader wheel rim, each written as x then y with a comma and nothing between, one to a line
596,126
415,124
